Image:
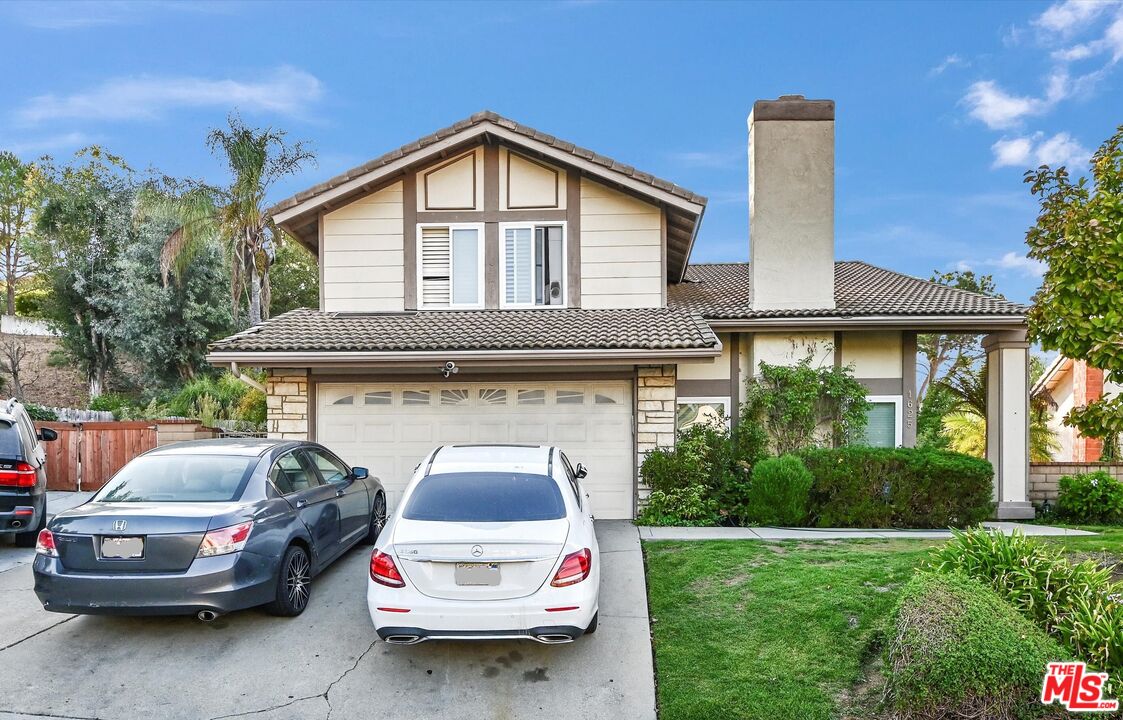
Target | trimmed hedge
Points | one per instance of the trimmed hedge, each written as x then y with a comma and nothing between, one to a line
1094,498
778,492
898,487
958,650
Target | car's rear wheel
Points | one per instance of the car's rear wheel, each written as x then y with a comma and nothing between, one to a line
294,583
377,519
593,624
27,539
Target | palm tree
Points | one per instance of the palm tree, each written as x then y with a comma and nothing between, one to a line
233,216
966,427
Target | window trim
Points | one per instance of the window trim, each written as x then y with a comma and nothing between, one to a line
481,293
725,401
532,224
898,415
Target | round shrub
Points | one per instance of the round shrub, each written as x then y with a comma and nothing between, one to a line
1095,498
778,492
958,650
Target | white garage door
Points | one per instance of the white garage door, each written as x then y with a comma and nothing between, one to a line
390,428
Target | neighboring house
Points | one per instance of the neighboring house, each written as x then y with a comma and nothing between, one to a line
1072,384
492,283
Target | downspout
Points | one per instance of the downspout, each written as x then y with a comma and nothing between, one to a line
236,372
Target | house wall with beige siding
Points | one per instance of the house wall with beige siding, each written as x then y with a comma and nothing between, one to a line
364,254
621,250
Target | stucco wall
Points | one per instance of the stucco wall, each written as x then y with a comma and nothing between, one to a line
791,348
873,354
364,254
621,250
718,369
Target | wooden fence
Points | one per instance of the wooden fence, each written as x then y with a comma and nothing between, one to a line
87,454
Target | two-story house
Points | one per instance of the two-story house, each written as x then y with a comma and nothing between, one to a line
490,283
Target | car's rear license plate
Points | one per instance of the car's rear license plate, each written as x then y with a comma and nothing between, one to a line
476,573
122,548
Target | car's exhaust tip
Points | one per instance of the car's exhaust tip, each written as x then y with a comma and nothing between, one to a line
553,638
206,615
17,523
403,639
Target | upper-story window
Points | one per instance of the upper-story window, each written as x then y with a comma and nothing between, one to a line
450,273
532,265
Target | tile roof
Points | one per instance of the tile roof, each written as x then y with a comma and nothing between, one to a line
490,117
721,292
572,329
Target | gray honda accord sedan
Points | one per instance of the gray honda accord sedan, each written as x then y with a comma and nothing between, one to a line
207,527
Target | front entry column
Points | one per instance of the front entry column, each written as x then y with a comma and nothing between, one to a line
1007,421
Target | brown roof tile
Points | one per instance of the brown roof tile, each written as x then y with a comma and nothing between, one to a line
314,331
721,292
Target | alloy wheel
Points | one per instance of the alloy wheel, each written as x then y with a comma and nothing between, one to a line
296,580
378,517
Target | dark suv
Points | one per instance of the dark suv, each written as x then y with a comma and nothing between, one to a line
23,474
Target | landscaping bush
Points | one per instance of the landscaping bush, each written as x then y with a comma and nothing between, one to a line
957,650
40,413
897,487
679,506
778,492
1093,498
1076,603
110,402
708,462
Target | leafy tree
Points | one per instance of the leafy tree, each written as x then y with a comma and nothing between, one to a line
944,353
20,194
1079,308
234,215
81,231
294,279
165,329
802,406
929,421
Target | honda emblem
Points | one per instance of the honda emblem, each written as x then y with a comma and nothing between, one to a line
120,525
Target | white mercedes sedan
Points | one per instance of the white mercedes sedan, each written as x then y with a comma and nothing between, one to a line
488,542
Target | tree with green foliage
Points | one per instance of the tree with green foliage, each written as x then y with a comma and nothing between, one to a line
945,353
21,191
294,279
802,406
233,216
165,329
81,232
1079,308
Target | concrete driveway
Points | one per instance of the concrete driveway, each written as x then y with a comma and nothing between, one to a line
325,663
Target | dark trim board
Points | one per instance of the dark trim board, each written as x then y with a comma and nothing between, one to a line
703,388
409,237
486,216
573,237
467,377
911,401
883,386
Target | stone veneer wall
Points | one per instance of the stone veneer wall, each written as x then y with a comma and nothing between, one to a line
655,412
1043,477
286,400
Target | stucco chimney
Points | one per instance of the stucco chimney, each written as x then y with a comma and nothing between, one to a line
791,203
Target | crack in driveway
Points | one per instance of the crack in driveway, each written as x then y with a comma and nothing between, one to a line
323,695
25,713
37,634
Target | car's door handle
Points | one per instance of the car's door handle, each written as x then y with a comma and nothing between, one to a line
340,492
302,503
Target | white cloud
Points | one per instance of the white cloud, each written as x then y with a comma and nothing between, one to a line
949,62
1036,149
286,90
1012,152
50,144
1011,261
997,108
1071,16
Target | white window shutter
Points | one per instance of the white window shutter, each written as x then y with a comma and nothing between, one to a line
435,267
519,275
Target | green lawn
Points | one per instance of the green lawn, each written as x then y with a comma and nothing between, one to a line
746,629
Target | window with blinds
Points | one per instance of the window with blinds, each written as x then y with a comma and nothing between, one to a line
881,426
533,266
450,265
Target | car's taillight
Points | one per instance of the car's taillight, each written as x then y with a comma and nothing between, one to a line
574,568
45,545
17,475
224,541
383,570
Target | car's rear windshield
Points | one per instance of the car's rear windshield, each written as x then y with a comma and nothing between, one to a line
179,478
485,497
10,446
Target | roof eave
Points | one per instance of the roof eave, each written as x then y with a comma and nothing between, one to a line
312,358
904,322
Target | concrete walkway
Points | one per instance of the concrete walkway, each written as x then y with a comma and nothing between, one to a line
773,533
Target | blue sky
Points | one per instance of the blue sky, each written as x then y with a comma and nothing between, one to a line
940,107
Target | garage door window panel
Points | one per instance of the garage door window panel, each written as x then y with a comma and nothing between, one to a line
378,397
532,397
415,397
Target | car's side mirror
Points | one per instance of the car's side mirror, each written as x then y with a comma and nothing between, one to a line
580,472
360,473
47,434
